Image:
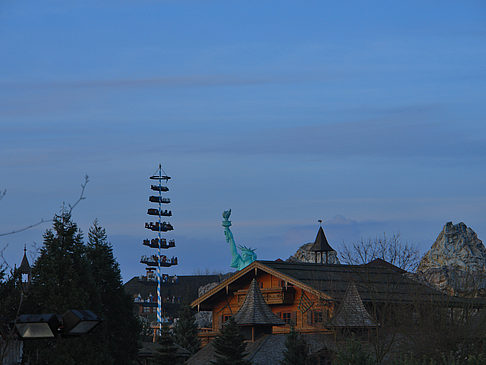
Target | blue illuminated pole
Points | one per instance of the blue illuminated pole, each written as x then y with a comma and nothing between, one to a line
159,236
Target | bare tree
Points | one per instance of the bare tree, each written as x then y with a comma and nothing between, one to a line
391,249
43,220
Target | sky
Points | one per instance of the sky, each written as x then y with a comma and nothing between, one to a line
369,115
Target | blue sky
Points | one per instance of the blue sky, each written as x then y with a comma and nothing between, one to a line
367,114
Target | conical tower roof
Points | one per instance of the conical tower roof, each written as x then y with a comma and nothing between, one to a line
255,311
24,267
321,244
351,312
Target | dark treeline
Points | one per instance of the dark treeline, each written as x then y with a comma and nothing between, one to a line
71,273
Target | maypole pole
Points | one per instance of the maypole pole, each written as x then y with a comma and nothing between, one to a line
159,275
159,243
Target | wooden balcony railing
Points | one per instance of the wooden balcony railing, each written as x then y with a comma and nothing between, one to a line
271,295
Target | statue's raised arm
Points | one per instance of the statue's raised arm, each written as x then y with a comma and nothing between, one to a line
247,254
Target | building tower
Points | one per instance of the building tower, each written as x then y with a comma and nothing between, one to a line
158,260
25,270
321,245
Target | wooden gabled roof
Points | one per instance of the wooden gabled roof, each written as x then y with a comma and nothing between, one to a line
375,282
321,244
248,273
255,311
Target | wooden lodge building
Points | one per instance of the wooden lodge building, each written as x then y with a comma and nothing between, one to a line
316,298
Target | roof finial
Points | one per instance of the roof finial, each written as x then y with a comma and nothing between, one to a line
25,248
320,222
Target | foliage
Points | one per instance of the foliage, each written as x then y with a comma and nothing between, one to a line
186,330
450,359
11,297
353,353
71,275
296,350
167,354
120,326
61,278
229,346
391,249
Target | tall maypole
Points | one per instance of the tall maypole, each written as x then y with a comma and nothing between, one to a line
158,260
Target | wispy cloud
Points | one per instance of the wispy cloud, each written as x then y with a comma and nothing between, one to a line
404,133
171,81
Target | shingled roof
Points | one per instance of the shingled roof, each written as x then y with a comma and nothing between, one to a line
321,244
268,349
376,282
255,311
24,267
351,311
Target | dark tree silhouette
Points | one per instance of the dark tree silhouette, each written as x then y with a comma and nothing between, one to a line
186,331
296,350
167,354
229,346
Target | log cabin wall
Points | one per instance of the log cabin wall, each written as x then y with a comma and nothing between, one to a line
292,304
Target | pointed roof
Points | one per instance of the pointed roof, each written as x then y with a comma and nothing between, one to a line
24,265
351,312
321,244
255,311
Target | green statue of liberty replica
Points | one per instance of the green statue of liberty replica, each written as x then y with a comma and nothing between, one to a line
247,255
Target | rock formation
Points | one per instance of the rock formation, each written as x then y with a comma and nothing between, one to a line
304,254
456,262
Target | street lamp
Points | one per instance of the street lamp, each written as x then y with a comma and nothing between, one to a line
79,322
36,326
73,323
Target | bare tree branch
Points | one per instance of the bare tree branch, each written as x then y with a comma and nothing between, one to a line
81,196
4,262
391,249
43,220
26,227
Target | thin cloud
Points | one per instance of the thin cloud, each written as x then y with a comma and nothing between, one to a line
381,137
174,81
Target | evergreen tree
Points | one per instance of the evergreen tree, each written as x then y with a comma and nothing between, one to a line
229,346
62,280
296,350
120,327
71,275
11,297
61,277
168,351
186,330
353,353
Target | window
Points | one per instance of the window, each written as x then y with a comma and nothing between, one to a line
286,317
146,309
261,285
226,317
318,317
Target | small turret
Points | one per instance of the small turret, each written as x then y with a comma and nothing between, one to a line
255,314
321,245
25,269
